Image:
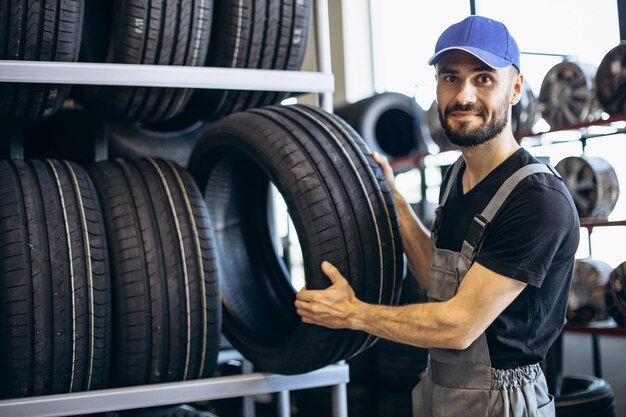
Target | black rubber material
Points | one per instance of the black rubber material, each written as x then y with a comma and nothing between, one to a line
166,291
55,319
342,210
261,34
37,30
392,124
585,395
156,32
171,140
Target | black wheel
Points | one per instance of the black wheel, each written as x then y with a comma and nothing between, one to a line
392,124
37,30
342,211
55,312
166,293
583,395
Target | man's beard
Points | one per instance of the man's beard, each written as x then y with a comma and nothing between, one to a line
467,137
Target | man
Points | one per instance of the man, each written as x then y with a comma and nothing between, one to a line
499,260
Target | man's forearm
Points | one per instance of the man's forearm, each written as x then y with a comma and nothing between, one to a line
415,239
428,325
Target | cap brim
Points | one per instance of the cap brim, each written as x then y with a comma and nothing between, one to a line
488,58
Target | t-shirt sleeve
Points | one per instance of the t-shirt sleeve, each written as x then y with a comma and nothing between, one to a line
525,235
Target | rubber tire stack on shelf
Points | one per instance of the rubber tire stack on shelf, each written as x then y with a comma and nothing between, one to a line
147,203
37,31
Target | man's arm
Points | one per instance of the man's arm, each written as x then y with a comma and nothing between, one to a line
416,241
452,324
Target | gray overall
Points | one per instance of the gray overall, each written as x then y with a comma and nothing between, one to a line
462,382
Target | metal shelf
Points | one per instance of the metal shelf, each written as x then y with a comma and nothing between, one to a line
175,393
164,76
321,82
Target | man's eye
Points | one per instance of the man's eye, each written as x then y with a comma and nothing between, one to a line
484,79
450,78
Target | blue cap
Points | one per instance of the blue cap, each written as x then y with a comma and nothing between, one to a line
487,39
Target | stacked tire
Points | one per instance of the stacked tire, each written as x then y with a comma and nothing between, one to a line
255,34
55,310
39,30
166,293
107,277
172,32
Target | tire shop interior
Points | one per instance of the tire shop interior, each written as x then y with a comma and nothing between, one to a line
174,171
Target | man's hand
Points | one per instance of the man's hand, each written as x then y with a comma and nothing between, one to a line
332,307
386,168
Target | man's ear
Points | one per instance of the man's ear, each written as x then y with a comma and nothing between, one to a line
517,88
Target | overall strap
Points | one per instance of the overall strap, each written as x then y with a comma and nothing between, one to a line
475,234
454,172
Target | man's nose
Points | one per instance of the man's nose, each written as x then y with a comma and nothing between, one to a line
466,93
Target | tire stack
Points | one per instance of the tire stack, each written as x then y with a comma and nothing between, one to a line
55,310
110,269
154,32
108,277
163,271
260,34
41,30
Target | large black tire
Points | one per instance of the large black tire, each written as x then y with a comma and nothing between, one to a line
261,34
584,395
37,30
157,32
55,328
392,124
166,293
342,210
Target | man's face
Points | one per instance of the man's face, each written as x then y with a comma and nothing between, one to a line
474,99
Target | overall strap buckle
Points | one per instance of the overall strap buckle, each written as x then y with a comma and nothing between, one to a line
476,233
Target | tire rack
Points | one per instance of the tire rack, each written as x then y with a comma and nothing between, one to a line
321,82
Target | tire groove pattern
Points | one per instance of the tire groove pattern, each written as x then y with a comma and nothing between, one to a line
62,297
164,270
37,30
155,32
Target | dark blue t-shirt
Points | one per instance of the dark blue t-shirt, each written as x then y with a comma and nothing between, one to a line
533,239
